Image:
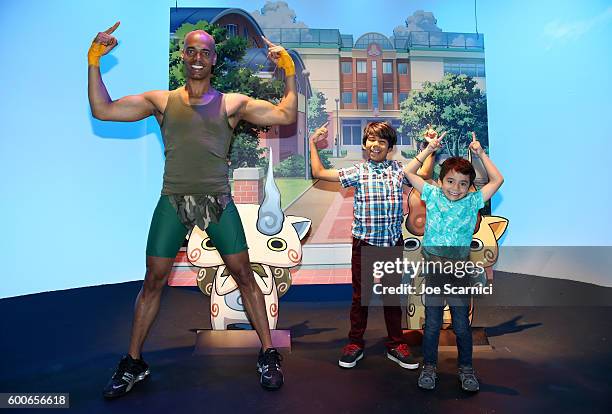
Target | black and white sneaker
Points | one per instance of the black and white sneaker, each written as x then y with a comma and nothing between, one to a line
351,354
269,366
129,372
401,355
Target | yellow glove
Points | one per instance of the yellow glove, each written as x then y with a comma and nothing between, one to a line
102,44
96,50
286,63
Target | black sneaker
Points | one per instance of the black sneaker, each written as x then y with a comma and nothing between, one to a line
351,354
128,373
269,366
401,355
468,380
427,378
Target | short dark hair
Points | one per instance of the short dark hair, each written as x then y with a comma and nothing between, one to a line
461,165
382,130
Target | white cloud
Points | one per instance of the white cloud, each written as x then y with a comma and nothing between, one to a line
420,21
276,14
557,31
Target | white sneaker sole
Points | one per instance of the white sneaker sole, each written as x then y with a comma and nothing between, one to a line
403,364
350,364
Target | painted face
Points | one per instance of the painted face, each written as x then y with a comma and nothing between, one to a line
283,249
376,148
455,185
199,55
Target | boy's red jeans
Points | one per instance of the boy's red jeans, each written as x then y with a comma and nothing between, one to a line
359,313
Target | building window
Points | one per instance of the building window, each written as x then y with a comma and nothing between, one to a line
347,67
362,98
387,67
232,30
351,132
402,137
388,98
361,66
347,97
374,85
402,68
245,32
403,96
469,69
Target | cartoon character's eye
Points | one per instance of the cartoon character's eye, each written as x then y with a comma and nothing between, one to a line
277,244
476,245
412,243
207,244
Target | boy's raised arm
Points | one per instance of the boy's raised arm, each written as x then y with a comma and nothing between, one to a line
318,170
495,177
418,161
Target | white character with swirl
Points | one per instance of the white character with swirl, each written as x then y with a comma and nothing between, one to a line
274,242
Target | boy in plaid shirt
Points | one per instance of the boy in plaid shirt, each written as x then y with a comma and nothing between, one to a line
377,221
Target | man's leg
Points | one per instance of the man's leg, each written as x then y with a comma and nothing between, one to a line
147,301
239,266
228,237
166,235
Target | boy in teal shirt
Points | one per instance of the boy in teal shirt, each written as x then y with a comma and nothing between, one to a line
451,218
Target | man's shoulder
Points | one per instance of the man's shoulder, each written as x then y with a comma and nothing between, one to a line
160,93
159,98
234,102
235,97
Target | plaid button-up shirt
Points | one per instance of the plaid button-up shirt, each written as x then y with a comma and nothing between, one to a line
377,206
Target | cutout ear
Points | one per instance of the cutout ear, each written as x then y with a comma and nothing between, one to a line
497,224
224,282
265,281
301,225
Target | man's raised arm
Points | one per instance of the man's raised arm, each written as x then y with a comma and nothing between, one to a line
264,113
128,108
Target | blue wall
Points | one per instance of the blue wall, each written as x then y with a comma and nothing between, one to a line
77,194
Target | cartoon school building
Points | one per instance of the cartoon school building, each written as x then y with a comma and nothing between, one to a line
363,80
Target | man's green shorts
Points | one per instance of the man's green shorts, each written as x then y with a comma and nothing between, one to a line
167,234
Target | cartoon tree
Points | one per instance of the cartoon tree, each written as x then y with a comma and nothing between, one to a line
316,111
455,104
229,75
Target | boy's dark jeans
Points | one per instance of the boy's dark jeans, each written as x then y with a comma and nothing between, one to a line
434,308
359,313
461,326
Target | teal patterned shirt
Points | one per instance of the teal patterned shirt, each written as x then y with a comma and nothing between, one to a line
450,225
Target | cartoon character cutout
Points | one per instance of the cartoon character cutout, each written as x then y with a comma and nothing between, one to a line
274,242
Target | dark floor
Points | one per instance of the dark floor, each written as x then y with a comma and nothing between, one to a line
553,359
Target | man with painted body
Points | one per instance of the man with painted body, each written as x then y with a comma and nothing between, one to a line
197,124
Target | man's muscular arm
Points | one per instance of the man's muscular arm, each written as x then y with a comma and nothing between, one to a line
264,113
128,108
